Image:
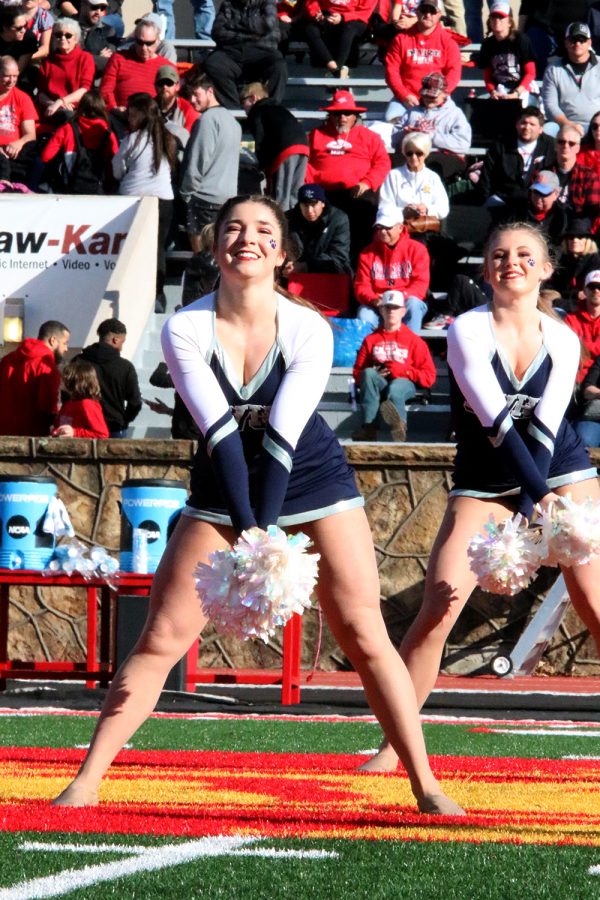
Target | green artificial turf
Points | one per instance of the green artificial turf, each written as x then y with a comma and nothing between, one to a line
373,870
270,735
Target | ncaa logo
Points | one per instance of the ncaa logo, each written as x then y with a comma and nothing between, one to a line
18,527
152,530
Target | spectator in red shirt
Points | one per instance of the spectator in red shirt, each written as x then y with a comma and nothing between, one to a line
18,119
132,71
424,48
65,75
332,28
30,382
391,362
585,322
393,260
350,162
81,415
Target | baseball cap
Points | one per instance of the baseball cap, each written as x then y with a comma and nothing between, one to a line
388,216
578,29
311,193
437,3
592,277
167,73
98,2
392,298
433,85
500,8
545,182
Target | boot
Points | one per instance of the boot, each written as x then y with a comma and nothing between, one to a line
391,416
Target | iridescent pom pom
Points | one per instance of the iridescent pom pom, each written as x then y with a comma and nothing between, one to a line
506,557
571,532
257,586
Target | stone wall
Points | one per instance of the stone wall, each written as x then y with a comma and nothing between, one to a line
405,488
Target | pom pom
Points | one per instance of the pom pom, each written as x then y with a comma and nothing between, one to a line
571,532
74,556
256,587
506,557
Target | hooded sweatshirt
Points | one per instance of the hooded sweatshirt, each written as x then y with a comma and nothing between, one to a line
121,399
29,385
403,267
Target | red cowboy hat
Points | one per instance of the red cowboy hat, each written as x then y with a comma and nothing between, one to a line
343,101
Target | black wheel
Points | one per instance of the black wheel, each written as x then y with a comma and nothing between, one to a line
501,666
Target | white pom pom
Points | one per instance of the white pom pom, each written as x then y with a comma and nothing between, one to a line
257,586
506,557
571,532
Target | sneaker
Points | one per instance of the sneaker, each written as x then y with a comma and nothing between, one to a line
367,432
439,322
344,72
391,416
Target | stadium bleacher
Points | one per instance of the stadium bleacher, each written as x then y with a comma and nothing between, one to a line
307,91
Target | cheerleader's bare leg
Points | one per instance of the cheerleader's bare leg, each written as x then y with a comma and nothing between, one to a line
448,585
583,582
349,596
174,622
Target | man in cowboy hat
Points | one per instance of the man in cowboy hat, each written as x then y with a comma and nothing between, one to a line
350,162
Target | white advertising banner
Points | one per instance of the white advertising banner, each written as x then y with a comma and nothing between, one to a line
65,255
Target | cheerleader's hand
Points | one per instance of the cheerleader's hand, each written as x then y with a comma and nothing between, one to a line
547,502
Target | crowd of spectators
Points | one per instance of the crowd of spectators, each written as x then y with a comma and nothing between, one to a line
366,200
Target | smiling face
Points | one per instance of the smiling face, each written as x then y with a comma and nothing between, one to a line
9,74
516,263
592,299
248,244
16,31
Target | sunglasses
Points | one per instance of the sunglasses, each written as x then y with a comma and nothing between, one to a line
414,153
577,40
98,7
142,43
563,143
18,27
594,286
595,126
63,34
165,82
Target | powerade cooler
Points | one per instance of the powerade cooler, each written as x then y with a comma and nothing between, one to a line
152,505
24,500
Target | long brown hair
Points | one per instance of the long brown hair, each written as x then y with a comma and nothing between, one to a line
81,381
153,128
286,244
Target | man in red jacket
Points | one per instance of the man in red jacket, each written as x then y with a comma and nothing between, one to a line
350,162
390,363
424,48
585,322
392,260
30,382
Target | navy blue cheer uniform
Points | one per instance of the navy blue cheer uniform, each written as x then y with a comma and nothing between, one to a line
512,435
266,456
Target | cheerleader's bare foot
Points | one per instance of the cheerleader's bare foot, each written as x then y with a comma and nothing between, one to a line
76,795
385,760
439,805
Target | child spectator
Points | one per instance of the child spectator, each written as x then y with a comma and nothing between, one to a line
81,415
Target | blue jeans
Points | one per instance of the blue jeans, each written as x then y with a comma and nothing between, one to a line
589,432
204,16
374,388
165,8
473,20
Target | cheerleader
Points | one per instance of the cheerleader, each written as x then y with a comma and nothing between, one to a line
251,365
513,366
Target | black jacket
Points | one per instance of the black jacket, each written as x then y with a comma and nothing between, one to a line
121,399
182,423
240,22
553,226
502,171
98,37
274,129
324,244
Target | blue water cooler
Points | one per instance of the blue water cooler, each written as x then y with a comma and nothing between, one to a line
152,506
24,500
